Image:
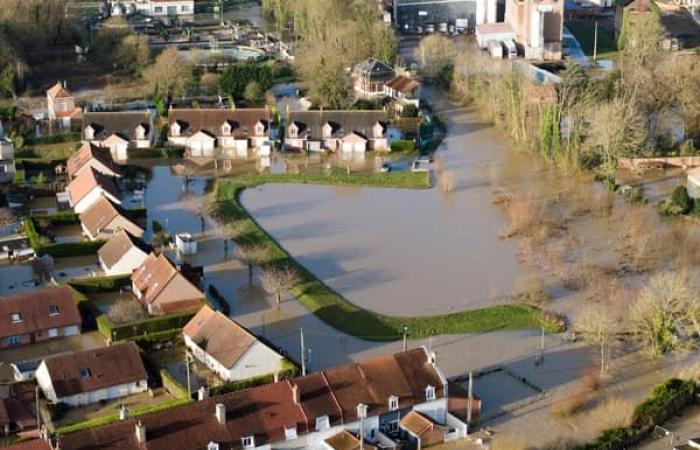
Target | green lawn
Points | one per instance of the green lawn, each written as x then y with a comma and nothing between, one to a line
48,152
584,30
334,309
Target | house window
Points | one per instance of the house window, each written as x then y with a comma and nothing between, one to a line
53,310
393,403
16,317
430,393
293,130
185,8
85,373
290,433
158,10
213,446
322,423
248,442
393,426
13,340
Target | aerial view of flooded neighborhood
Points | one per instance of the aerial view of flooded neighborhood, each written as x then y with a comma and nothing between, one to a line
349,224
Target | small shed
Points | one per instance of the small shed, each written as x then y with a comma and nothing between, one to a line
487,32
185,243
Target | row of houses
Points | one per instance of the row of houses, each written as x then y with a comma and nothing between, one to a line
213,132
391,402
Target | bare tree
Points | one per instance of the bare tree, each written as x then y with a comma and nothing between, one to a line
276,280
169,73
435,52
251,255
666,313
597,326
124,311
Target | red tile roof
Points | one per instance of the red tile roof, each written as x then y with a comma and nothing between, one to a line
34,444
156,274
402,83
33,309
210,120
118,246
88,180
222,338
265,411
58,91
107,366
100,214
88,152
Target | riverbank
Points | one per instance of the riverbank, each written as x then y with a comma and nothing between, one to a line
337,311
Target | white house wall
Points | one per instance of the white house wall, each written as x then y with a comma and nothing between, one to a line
91,197
259,359
127,264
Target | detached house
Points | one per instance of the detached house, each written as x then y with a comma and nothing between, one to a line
328,409
232,132
405,90
162,289
92,156
37,316
370,77
89,187
122,254
60,103
103,219
347,131
90,376
121,131
228,349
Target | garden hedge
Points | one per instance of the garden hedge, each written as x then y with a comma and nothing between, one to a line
73,136
174,387
290,370
101,284
144,327
59,250
403,146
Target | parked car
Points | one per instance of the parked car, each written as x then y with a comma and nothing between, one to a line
386,167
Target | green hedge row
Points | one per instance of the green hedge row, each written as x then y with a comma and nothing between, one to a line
101,284
114,417
667,400
174,387
143,327
289,370
157,152
58,250
72,136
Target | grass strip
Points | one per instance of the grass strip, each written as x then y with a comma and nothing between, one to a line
333,308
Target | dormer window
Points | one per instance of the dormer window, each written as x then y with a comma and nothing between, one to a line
290,433
327,131
393,403
293,131
245,130
259,128
378,130
248,441
430,393
175,129
53,310
226,129
140,132
322,423
85,373
213,446
89,133
16,317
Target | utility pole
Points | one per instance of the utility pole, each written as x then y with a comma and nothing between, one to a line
595,42
542,345
38,410
303,353
405,338
469,400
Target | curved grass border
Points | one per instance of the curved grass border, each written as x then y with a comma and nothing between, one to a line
333,308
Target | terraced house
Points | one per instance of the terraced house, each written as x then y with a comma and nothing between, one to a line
360,402
219,132
346,131
121,132
37,316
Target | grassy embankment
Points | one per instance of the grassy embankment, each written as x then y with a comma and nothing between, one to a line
334,309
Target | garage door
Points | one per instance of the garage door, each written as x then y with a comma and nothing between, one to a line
196,148
208,150
348,146
241,147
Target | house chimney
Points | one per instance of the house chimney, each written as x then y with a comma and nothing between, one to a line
123,412
140,433
296,398
65,84
221,413
202,393
276,376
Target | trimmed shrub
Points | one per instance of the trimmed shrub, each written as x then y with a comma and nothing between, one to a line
66,249
403,146
681,200
73,136
101,284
